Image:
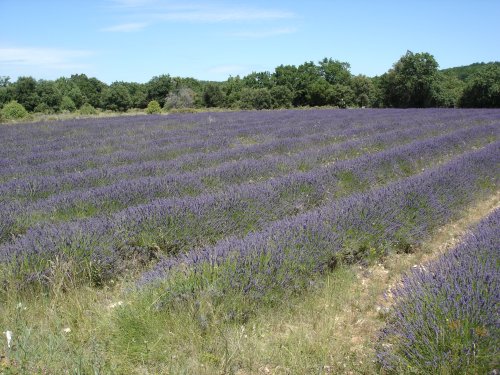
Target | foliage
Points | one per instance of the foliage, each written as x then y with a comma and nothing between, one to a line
49,94
363,90
213,96
138,94
335,72
25,93
87,109
281,96
43,108
67,104
116,97
447,91
258,98
259,80
181,98
153,107
69,88
413,81
158,88
483,88
14,111
409,83
91,89
463,73
444,319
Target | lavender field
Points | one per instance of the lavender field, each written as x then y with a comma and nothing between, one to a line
192,188
254,204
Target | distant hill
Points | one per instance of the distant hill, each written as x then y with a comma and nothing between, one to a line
464,72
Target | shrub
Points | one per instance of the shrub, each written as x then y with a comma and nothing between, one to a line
183,98
43,108
67,104
14,111
88,109
445,318
153,107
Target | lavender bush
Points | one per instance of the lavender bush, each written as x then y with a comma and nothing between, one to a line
101,193
446,313
287,254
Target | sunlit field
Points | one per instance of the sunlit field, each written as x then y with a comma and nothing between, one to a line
165,243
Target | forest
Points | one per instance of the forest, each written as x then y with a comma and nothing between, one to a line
414,81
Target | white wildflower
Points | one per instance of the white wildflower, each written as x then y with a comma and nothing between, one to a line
8,334
116,304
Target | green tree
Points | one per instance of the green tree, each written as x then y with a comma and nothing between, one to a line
158,88
153,107
447,91
410,82
5,81
67,104
116,97
286,75
137,92
282,97
181,98
87,109
213,96
363,90
232,90
69,88
25,93
6,94
256,99
307,74
483,88
49,94
90,88
320,93
334,71
14,111
342,96
259,80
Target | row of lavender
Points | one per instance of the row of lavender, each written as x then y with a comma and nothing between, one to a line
123,131
198,208
446,313
195,159
174,225
244,170
135,141
106,199
289,252
132,143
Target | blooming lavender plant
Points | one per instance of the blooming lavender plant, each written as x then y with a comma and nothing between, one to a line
445,317
161,186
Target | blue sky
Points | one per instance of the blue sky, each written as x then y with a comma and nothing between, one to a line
134,40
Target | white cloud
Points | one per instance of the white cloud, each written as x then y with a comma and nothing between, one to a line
43,58
263,33
224,15
126,27
151,11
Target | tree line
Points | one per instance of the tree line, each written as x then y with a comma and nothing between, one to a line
413,81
